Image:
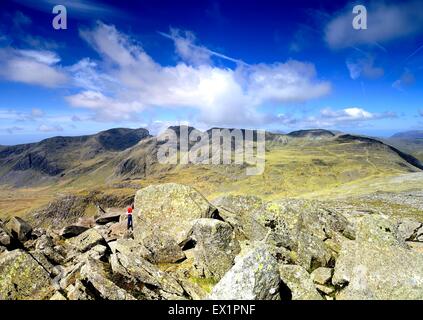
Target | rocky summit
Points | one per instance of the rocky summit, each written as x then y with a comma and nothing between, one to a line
241,247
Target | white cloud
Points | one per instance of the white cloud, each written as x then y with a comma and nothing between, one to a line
185,48
37,113
41,56
385,22
364,67
128,80
347,117
31,67
407,79
50,128
13,115
348,114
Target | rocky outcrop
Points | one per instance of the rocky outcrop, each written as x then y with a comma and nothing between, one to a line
23,278
182,248
215,247
254,276
410,230
171,208
94,273
145,278
86,240
378,265
297,284
5,238
162,247
380,272
238,211
19,228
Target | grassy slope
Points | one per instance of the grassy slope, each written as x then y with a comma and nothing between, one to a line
300,168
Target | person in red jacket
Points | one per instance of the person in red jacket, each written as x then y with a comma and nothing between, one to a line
129,214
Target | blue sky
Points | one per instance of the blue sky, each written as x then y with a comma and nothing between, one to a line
277,65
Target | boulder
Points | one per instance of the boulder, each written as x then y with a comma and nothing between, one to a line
116,231
5,239
78,291
379,272
379,231
42,261
94,272
86,240
96,253
144,278
193,290
108,217
312,252
325,290
46,245
171,208
19,229
22,278
163,248
277,222
72,231
322,275
238,211
254,276
297,284
215,247
407,229
58,296
280,222
130,247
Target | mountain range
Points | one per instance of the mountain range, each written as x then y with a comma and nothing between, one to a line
302,163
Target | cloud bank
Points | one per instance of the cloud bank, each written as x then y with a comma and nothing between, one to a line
127,80
386,22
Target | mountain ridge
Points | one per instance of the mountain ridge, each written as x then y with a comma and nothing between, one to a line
122,153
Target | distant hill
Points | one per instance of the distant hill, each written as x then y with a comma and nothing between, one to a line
35,163
416,134
410,142
312,133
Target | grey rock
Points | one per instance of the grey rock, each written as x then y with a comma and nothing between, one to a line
322,275
215,248
19,229
94,272
79,292
254,276
22,278
299,283
378,272
87,240
163,248
312,252
171,208
72,231
407,229
58,296
138,271
108,217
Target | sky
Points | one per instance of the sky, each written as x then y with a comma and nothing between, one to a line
274,65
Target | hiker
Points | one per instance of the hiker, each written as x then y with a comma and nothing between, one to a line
129,214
